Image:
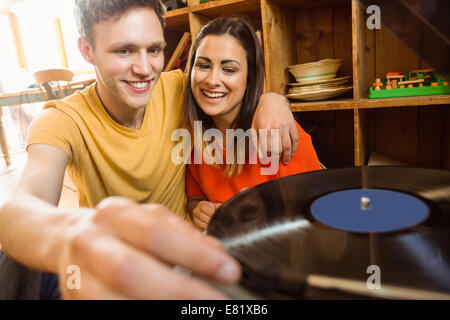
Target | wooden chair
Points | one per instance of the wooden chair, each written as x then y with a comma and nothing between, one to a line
44,77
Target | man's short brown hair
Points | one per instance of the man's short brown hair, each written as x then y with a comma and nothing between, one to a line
91,12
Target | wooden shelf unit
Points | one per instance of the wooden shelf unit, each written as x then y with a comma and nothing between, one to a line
177,19
415,130
217,8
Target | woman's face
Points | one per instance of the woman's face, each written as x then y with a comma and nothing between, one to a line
219,77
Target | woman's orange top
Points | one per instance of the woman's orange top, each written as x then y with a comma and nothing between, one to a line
206,180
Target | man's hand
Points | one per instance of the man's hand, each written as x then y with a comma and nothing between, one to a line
203,212
127,251
274,112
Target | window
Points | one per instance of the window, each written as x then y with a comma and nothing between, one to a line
8,56
40,41
30,42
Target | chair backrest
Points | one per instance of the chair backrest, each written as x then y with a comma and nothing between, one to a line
43,77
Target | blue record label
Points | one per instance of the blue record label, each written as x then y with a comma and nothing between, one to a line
369,210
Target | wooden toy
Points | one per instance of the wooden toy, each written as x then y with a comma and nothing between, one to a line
394,84
415,83
377,85
388,85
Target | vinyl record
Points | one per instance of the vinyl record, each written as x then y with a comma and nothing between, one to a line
391,242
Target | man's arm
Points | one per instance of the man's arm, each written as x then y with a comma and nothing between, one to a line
122,249
274,112
27,217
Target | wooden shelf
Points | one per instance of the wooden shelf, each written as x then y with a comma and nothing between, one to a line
345,104
217,8
341,104
308,4
404,102
177,19
176,12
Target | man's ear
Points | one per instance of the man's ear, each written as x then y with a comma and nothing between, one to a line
85,50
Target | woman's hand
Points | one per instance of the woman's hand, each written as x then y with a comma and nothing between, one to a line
203,212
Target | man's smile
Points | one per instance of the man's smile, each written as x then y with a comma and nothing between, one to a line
138,86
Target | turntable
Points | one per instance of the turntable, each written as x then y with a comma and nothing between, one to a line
378,232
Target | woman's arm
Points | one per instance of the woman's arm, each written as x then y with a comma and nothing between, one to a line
201,211
192,203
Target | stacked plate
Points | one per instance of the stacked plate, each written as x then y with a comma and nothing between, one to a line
317,81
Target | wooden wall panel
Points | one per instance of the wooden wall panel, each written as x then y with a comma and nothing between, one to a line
279,43
324,121
172,39
392,55
336,130
360,137
368,72
305,38
344,138
358,59
321,33
324,32
396,133
430,138
322,19
342,40
371,131
445,155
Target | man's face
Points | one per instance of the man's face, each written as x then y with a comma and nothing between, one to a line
128,58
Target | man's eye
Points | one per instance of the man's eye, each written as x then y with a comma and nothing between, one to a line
123,51
154,51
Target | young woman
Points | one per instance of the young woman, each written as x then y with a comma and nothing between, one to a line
225,80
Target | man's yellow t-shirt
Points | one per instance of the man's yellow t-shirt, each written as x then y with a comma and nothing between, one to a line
107,159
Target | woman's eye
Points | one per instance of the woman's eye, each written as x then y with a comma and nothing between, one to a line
229,70
202,66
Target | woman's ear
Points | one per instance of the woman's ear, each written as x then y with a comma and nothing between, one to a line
85,50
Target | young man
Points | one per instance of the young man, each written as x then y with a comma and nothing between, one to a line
114,138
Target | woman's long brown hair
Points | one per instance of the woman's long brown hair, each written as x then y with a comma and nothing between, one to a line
240,29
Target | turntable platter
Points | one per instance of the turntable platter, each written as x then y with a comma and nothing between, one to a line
271,230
